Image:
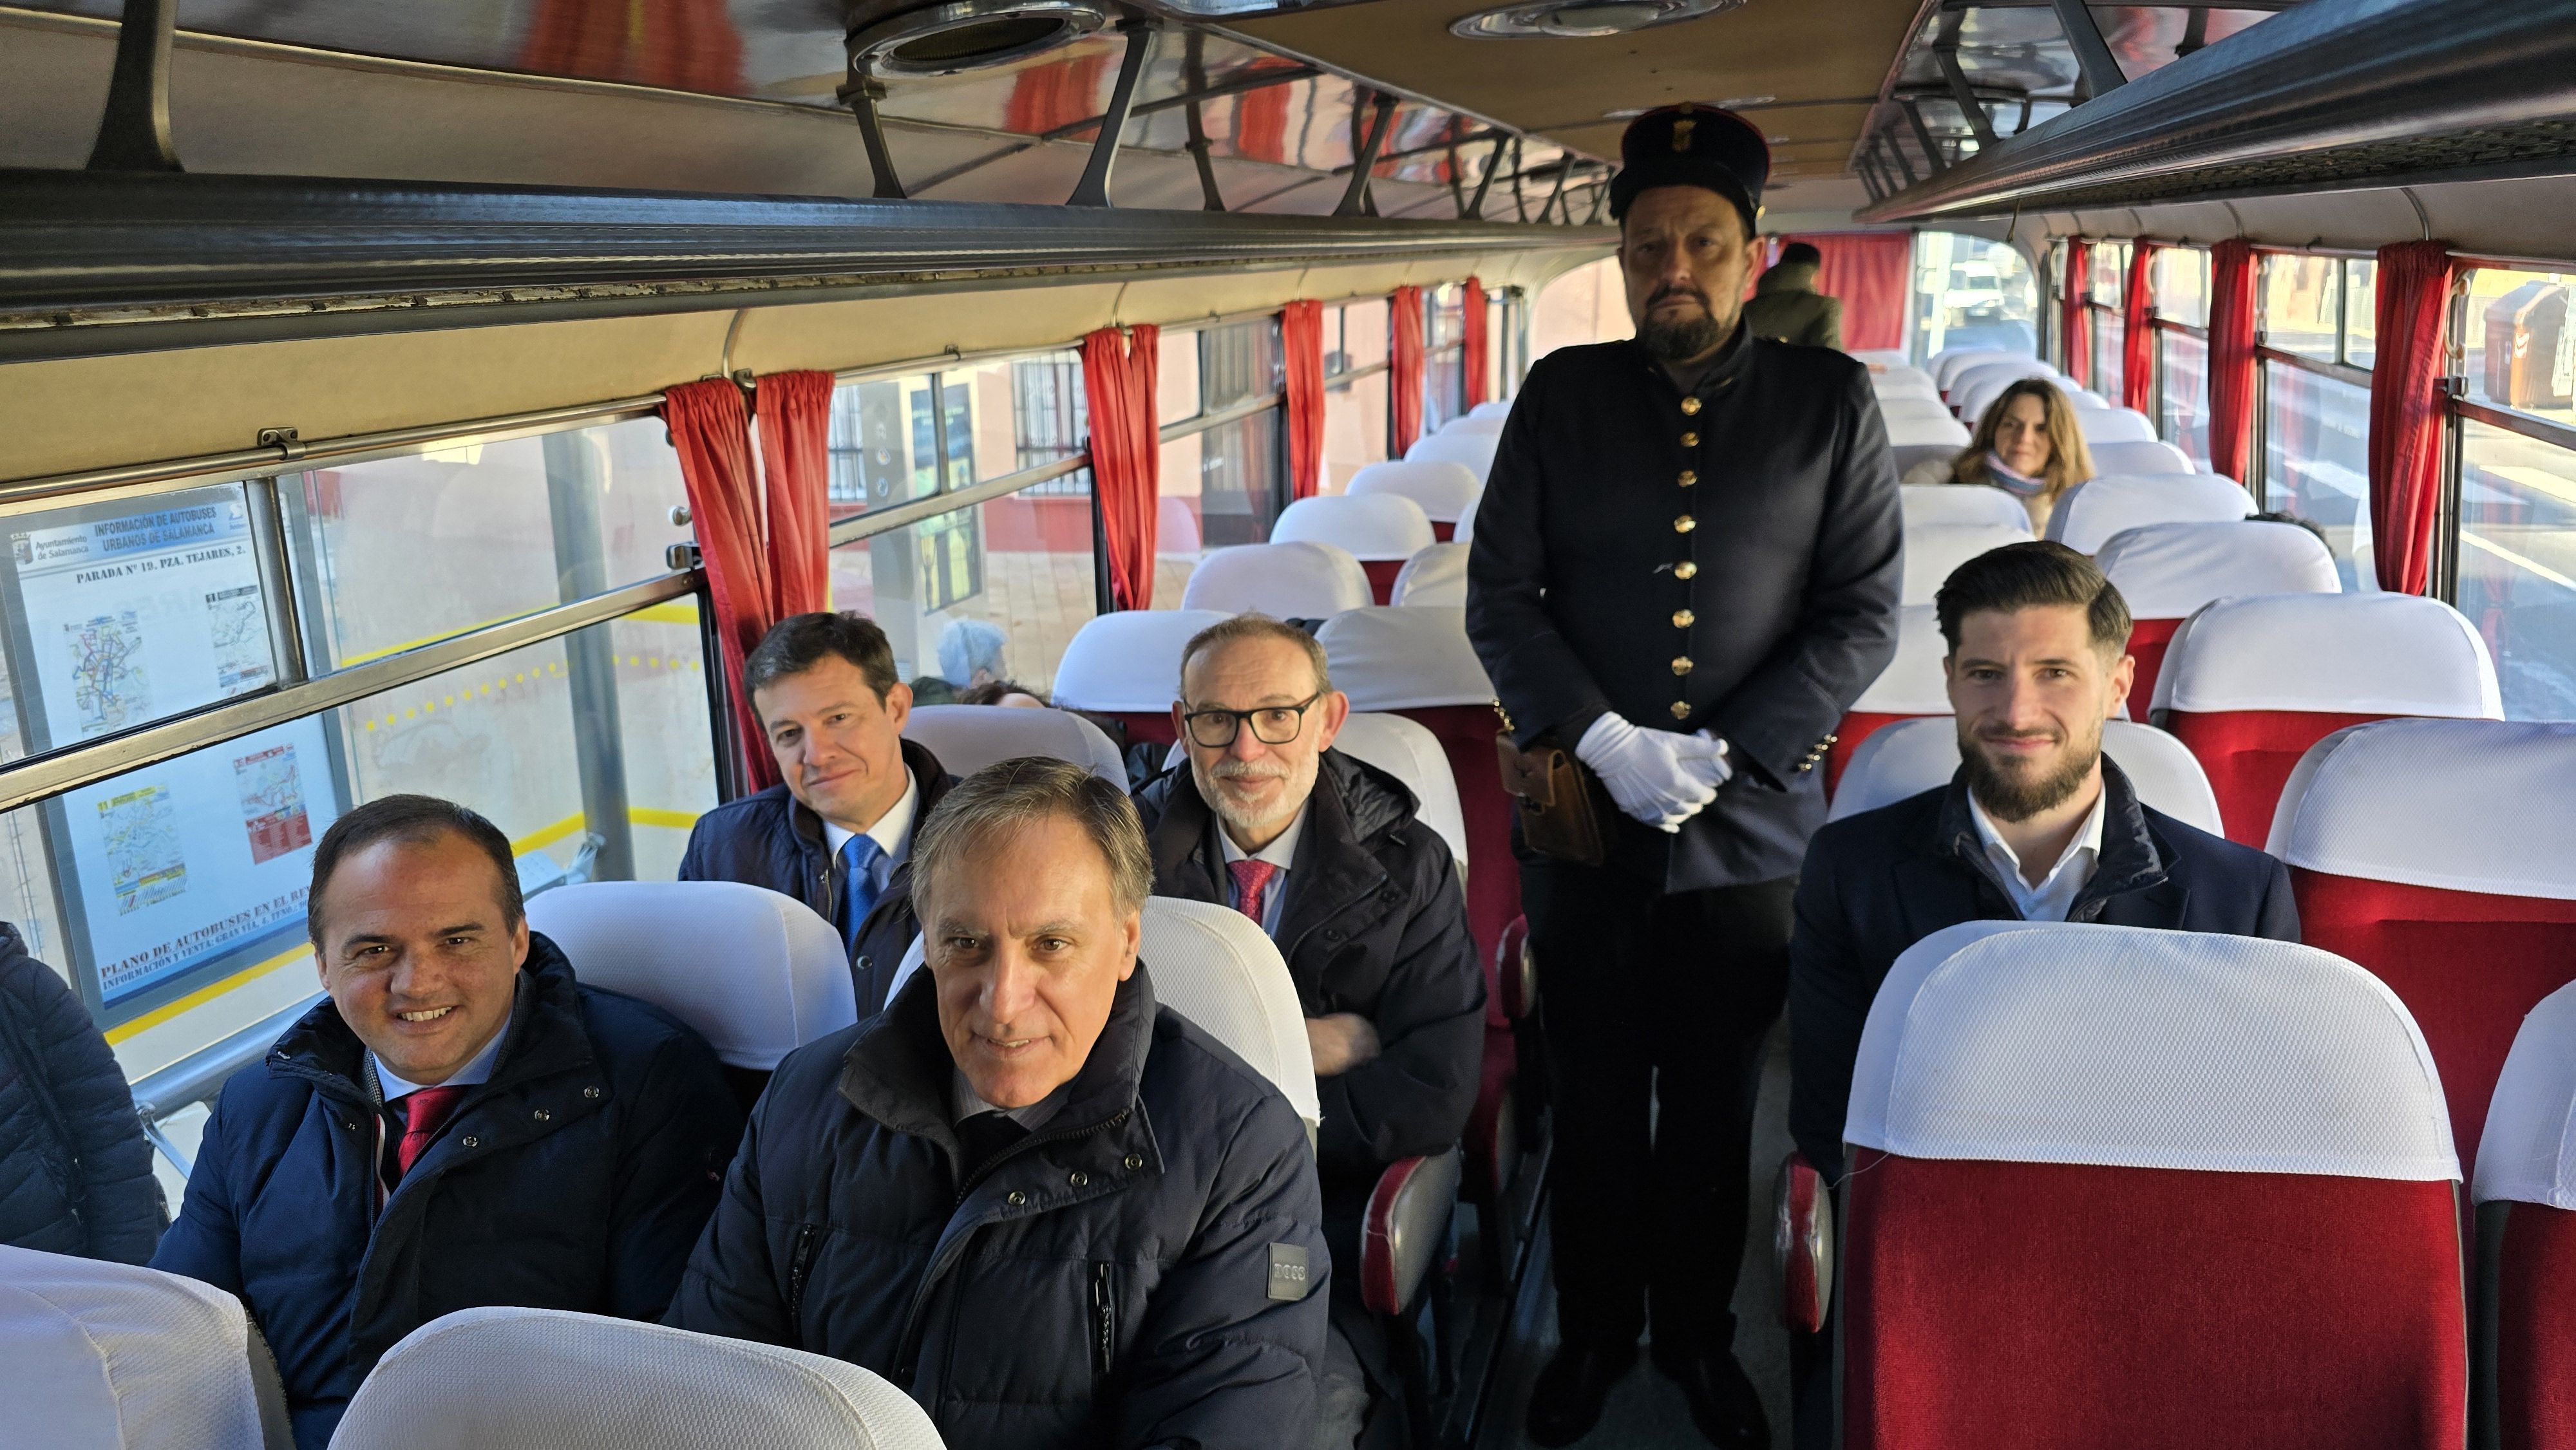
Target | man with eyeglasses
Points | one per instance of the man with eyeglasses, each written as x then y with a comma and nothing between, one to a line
1324,851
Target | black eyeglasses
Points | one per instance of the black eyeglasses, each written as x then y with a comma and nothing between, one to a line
1271,724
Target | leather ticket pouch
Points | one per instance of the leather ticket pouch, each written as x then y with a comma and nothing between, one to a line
1565,810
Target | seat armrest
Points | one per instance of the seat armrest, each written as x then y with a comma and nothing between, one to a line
1407,1229
1516,971
1803,1236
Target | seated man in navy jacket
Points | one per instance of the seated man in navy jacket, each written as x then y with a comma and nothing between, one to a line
836,831
459,1125
2038,825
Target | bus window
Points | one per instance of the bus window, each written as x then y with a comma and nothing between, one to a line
1585,305
1355,399
2183,386
2316,434
1971,292
2519,346
1233,473
2302,302
2517,557
2110,324
1444,378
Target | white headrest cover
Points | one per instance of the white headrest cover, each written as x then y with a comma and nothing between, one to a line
544,1379
1492,408
1913,756
1934,505
1950,362
2136,456
2458,805
1890,386
1404,658
1476,450
121,1357
1997,372
1370,525
1933,550
1926,431
1891,359
1296,580
1128,662
1213,965
2528,1153
2075,1043
966,738
1436,576
1912,684
1442,488
2114,425
2165,571
2351,654
1472,424
1904,405
2088,514
1407,750
756,973
1464,530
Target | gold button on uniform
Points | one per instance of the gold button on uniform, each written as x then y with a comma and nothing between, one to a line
1681,709
1688,478
1690,440
1685,570
1682,618
1682,666
1690,407
1685,524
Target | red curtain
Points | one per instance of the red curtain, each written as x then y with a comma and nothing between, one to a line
795,413
1118,376
2406,410
1055,93
1404,372
2231,360
1473,343
1261,124
2137,334
712,435
1301,336
2075,328
687,45
1869,272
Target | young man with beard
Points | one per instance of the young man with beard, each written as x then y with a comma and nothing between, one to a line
1686,567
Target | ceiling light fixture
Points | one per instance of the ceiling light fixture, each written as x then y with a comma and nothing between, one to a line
962,35
1582,19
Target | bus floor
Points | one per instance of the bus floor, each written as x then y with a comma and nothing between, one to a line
1646,1411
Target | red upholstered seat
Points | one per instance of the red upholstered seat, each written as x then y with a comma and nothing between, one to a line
1444,530
2251,683
2148,639
1911,686
1381,576
2535,1335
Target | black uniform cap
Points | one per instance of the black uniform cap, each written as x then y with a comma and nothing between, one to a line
1690,145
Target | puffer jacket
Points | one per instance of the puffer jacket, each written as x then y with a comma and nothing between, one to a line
576,1178
1145,1269
75,1171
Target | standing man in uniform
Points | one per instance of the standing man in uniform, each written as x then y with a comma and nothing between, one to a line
1685,569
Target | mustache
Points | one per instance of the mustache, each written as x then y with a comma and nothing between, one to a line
1677,290
1248,770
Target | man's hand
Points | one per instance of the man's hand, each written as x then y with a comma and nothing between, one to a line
1656,776
1340,1042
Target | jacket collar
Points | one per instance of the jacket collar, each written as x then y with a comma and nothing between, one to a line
1787,277
1733,358
1353,803
545,1035
2129,860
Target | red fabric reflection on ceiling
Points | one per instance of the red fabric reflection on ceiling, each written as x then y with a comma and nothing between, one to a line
686,45
1058,93
1261,124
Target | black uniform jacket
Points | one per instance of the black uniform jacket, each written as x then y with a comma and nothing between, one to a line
1878,882
1728,561
769,838
1375,923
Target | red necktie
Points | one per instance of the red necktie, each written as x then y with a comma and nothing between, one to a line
1251,880
425,1111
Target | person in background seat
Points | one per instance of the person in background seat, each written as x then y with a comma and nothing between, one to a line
1055,1213
1785,305
1325,852
2028,444
836,831
460,1124
75,1171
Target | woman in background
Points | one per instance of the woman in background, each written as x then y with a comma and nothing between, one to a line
2027,444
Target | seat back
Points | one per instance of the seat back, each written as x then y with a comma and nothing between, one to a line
2526,1196
1297,580
1492,408
1213,965
1407,750
1470,423
1995,373
2088,514
2250,683
1908,456
1932,505
1932,551
1381,530
1891,386
1436,576
106,1356
2065,1136
548,1379
1475,450
1464,531
1975,396
2167,571
966,738
1883,359
2441,855
1946,365
1912,756
1128,666
2114,425
756,973
1923,430
1176,530
1912,685
2152,455
1442,488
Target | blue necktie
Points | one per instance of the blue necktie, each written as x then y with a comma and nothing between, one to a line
861,884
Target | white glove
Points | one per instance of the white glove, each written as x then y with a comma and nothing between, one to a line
1656,776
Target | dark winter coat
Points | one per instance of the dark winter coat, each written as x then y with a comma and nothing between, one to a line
1785,306
1728,562
75,1171
1878,882
1145,1269
769,838
576,1178
1375,923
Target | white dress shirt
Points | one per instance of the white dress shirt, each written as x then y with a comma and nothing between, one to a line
1281,853
476,1070
893,830
2055,894
963,1103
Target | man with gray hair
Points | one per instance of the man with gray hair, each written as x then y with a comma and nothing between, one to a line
1053,1212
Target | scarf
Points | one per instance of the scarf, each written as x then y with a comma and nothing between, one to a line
2018,485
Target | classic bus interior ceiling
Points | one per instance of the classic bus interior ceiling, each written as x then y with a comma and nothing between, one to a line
433,360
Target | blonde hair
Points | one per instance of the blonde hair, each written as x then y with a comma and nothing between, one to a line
2069,461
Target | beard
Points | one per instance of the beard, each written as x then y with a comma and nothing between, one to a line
1242,815
2018,795
1683,338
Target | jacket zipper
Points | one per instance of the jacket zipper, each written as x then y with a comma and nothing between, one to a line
1104,1322
800,1262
